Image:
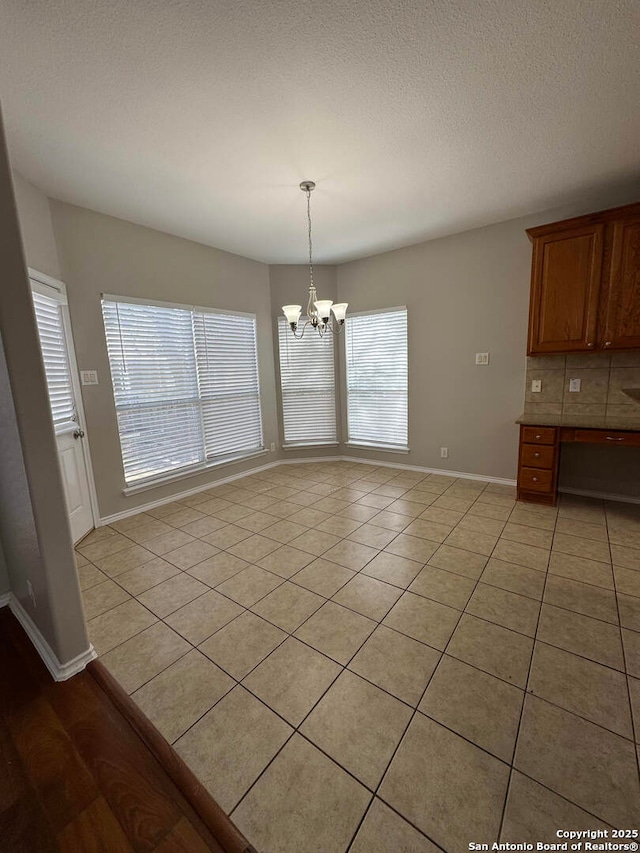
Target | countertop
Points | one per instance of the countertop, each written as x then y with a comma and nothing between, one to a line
632,424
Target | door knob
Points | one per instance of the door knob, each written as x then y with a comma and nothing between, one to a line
78,433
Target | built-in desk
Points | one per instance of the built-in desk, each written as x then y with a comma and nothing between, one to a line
539,455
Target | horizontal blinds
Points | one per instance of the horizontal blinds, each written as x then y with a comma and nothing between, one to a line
151,353
185,385
227,362
154,386
159,439
55,358
307,381
377,378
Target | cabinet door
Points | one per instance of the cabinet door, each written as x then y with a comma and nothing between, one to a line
565,285
623,303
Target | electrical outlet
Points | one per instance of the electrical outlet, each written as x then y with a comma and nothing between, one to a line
536,386
32,594
482,358
444,452
273,446
574,384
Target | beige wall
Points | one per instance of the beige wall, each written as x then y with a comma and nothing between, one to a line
464,294
101,254
36,226
289,285
34,529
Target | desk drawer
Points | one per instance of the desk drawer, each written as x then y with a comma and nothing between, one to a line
538,435
537,456
611,437
535,480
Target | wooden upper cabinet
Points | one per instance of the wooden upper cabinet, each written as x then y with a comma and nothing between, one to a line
585,283
565,288
622,329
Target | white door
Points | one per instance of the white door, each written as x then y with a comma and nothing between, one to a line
50,304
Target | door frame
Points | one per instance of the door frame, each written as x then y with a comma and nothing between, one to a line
55,289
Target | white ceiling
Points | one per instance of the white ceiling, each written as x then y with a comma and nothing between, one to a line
416,118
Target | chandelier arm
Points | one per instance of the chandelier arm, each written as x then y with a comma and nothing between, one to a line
299,337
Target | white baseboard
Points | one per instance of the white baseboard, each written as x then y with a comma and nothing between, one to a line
117,516
59,671
604,496
109,519
463,475
311,460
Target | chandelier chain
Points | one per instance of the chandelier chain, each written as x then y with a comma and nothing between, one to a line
309,233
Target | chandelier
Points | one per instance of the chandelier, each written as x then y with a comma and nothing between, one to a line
318,310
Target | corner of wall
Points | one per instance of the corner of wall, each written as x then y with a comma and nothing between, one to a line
33,519
36,225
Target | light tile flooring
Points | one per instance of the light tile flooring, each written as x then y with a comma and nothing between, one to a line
366,659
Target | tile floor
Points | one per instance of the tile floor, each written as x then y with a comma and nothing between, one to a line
373,660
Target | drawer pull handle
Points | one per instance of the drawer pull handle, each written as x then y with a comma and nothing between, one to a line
589,345
538,436
535,479
536,455
607,343
615,438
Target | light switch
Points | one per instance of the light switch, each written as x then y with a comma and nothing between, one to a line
536,386
574,384
482,358
89,377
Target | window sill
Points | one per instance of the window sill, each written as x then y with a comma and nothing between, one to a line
387,448
191,472
311,444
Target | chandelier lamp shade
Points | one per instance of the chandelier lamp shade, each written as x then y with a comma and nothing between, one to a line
319,311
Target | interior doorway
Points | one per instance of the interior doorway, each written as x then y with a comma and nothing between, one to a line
58,355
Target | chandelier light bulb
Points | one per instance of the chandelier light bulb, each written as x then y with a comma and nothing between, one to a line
323,307
292,313
340,311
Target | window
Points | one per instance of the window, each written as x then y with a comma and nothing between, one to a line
307,380
377,378
185,383
56,363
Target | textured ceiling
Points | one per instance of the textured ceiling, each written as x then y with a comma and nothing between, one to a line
416,118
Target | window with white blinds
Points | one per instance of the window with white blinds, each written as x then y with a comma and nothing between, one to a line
377,378
307,381
56,362
227,362
185,383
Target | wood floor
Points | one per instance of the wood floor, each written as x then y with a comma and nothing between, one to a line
75,776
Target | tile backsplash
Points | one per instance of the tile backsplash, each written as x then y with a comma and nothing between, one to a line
603,376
